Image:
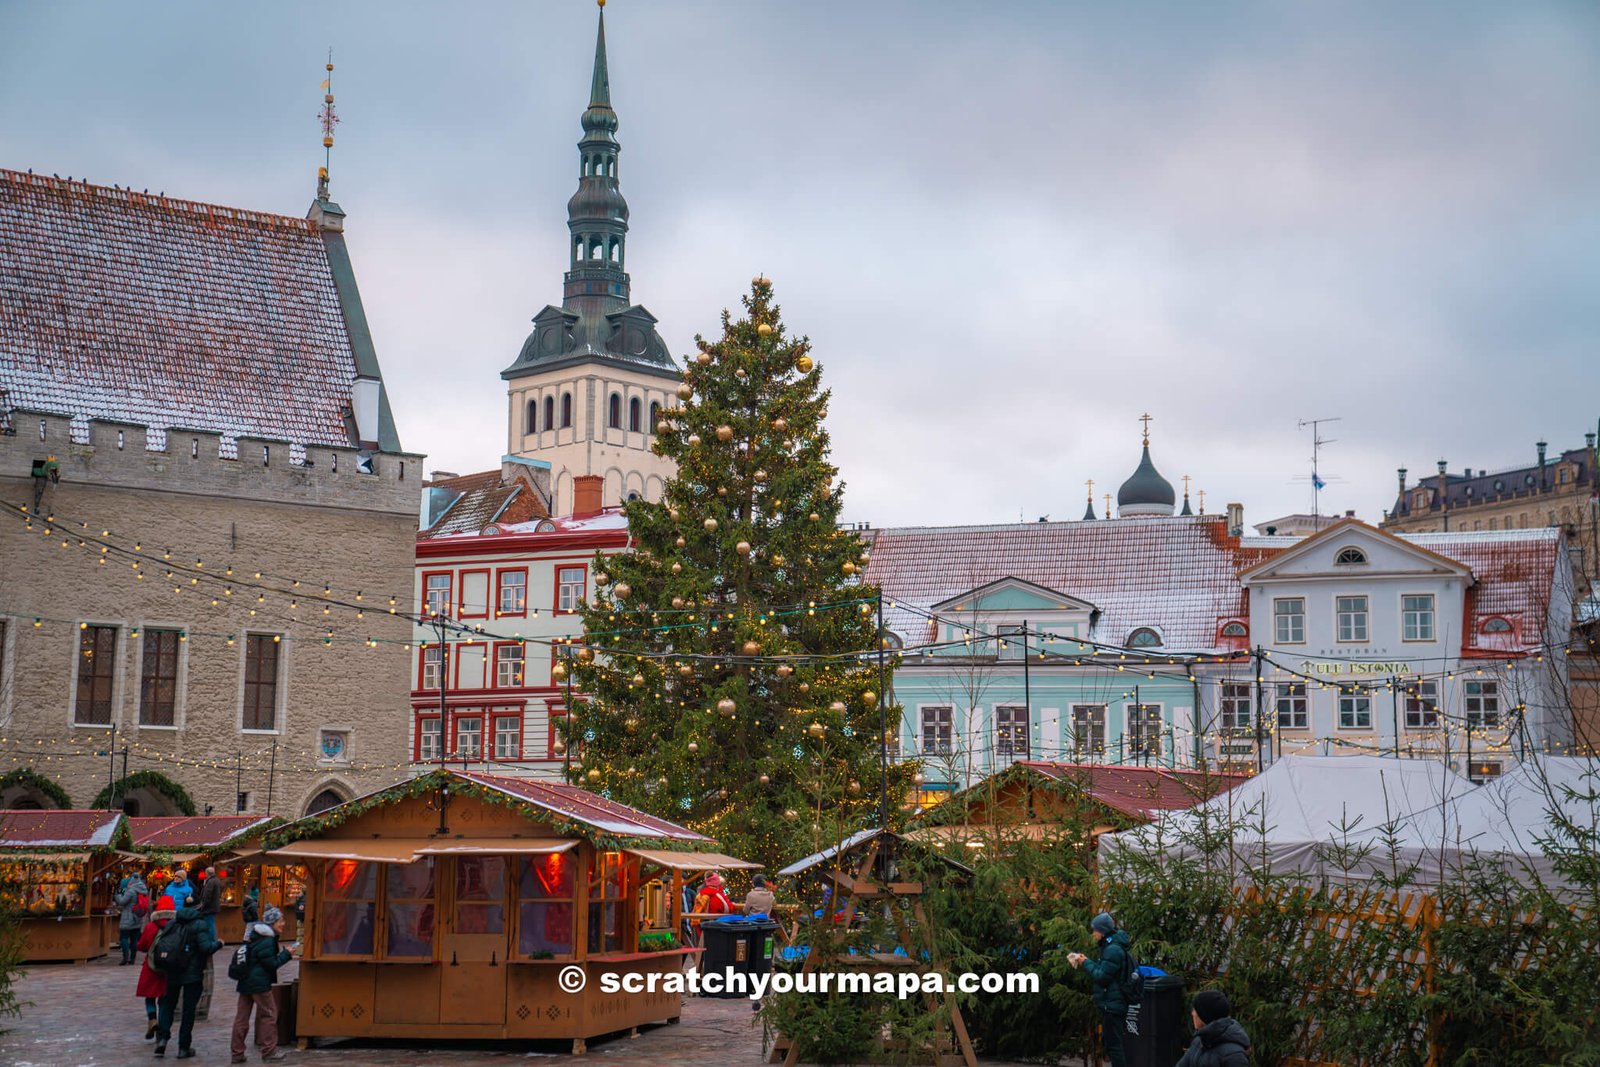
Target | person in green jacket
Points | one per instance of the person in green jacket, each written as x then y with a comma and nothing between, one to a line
186,986
1107,974
263,957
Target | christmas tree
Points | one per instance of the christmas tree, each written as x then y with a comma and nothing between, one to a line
730,663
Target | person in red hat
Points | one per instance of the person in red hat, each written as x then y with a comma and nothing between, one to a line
152,983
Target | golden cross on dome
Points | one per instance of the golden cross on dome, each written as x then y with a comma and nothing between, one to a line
1090,486
1108,505
1185,485
1202,495
1145,418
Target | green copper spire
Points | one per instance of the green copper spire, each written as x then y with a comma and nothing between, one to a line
600,86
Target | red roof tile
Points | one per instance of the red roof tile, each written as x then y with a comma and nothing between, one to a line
1514,572
580,805
1178,575
485,498
165,313
1137,791
191,831
66,828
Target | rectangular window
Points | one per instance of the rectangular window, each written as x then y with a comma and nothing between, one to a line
97,673
936,731
570,594
512,596
1422,705
1144,730
431,658
544,903
481,894
158,679
508,663
1416,617
436,593
1089,729
1236,714
1483,704
409,908
1289,620
1355,713
508,737
1352,612
474,594
349,906
1293,711
1010,642
608,896
261,681
1011,733
427,739
469,738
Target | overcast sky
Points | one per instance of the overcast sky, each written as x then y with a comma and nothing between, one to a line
1008,228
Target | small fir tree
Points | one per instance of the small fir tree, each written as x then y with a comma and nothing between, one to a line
729,671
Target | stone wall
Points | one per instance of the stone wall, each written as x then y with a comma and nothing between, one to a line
325,522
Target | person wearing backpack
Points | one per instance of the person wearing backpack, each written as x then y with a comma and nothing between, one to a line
153,983
1219,1041
1110,975
133,897
255,969
182,951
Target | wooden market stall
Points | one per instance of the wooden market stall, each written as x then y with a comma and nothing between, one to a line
161,844
59,871
469,906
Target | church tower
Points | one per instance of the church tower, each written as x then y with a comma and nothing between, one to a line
586,390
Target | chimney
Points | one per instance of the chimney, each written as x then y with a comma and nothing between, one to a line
1402,473
1466,472
1541,446
439,476
1235,520
1588,441
1350,513
587,492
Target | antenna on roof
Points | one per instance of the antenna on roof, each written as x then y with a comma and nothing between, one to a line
1317,441
329,119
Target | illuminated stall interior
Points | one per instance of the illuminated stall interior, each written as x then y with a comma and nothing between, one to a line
58,871
161,844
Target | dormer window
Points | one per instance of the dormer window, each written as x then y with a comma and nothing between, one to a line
1234,629
1350,557
1496,625
1144,637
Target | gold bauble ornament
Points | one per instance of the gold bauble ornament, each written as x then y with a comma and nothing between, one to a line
677,568
917,778
558,673
854,787
869,698
601,577
788,444
710,524
558,747
816,729
864,558
685,671
663,426
684,392
662,779
738,372
760,476
837,707
702,357
743,548
722,794
790,814
805,364
677,602
848,568
694,440
722,490
638,679
751,648
764,780
724,433
594,776
764,329
805,687
780,424
815,517
622,590
777,561
694,746
784,670
824,491
680,542
585,655
672,513
726,706
630,724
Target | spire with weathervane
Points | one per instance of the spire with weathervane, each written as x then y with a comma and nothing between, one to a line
324,212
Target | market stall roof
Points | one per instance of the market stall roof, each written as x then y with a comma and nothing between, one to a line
376,850
193,832
580,805
477,846
979,834
45,857
61,829
693,861
1140,792
855,840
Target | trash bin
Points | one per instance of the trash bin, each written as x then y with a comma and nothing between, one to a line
744,945
1163,1030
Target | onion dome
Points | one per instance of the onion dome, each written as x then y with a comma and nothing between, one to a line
1146,493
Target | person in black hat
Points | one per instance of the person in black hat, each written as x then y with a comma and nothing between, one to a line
1108,974
1219,1041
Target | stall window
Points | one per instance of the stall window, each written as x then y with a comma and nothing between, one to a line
349,905
544,916
408,910
607,897
480,895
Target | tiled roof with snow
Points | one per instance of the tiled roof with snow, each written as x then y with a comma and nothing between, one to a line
1514,574
126,307
485,498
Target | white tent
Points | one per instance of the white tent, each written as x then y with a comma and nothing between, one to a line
1298,815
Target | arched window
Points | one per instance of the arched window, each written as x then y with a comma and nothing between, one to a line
1144,637
1349,557
614,412
1496,625
634,407
611,168
577,248
550,412
616,250
324,800
529,423
566,411
655,417
1233,629
596,248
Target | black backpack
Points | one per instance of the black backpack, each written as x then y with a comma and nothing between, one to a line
173,948
1133,980
239,966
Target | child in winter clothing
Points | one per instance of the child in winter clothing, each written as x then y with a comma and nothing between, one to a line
263,957
1219,1041
152,983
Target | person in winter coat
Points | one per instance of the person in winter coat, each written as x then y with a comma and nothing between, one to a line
152,983
713,899
263,957
1107,974
130,922
1219,1041
187,986
250,909
760,900
180,890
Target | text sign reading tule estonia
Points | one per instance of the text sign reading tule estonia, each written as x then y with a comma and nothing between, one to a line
1396,667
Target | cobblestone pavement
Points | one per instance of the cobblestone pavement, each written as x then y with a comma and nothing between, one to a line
86,1015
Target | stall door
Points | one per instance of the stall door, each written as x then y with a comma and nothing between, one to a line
472,988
